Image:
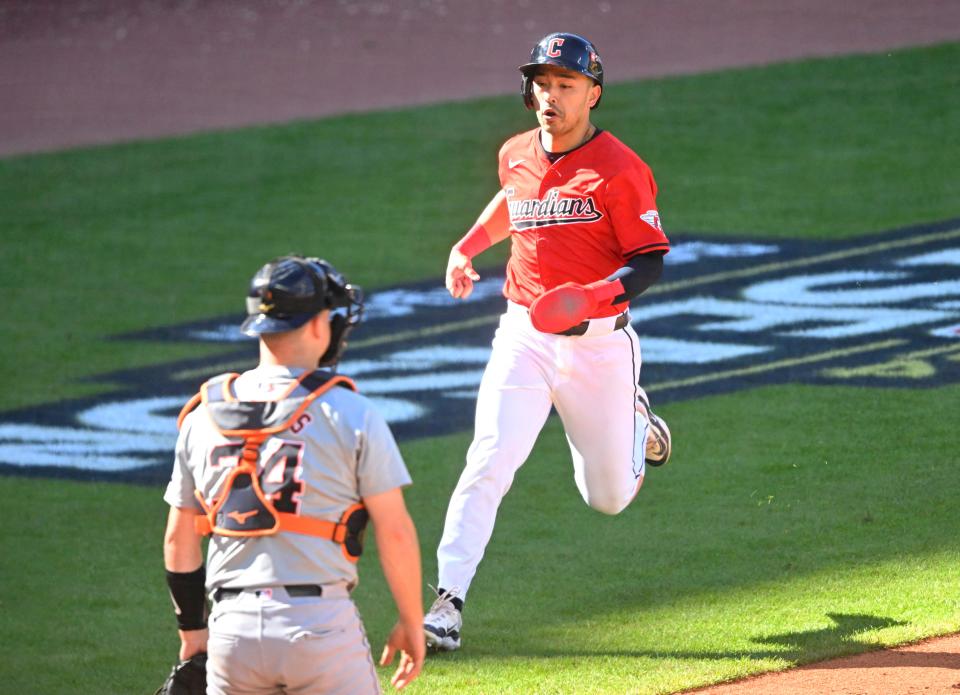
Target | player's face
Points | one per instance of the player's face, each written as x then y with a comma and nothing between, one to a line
563,99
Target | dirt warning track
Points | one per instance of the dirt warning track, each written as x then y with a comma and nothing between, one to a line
108,70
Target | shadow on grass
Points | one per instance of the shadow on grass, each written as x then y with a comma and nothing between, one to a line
843,632
794,647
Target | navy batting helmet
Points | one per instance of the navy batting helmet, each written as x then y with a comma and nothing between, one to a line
290,290
564,50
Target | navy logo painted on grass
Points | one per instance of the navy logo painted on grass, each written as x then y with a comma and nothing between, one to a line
879,311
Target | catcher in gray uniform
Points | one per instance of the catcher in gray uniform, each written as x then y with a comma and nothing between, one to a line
282,466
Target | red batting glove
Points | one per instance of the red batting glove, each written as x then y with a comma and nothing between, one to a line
569,304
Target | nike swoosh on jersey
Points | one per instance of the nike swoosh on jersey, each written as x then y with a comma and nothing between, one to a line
513,163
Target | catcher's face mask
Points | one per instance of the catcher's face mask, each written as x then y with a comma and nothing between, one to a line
345,302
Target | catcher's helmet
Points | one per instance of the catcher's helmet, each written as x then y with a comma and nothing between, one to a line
290,290
564,50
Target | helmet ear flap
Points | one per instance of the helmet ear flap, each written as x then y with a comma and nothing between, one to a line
338,334
342,321
526,90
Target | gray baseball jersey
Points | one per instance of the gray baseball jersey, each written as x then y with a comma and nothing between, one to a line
342,450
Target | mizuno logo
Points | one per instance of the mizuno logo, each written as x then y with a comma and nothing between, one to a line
513,163
241,517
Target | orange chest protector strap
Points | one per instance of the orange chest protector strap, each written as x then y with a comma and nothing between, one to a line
243,509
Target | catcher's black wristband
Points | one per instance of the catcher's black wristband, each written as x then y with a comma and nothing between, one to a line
189,602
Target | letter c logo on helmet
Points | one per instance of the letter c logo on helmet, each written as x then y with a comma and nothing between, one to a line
553,47
568,51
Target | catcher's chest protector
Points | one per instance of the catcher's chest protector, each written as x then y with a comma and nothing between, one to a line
243,509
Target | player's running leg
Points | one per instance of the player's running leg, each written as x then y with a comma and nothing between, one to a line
608,435
512,406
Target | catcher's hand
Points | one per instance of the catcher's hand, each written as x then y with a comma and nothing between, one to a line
189,677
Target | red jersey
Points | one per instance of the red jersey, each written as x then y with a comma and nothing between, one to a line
578,219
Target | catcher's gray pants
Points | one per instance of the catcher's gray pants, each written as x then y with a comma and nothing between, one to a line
265,642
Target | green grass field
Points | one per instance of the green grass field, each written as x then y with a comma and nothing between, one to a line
794,523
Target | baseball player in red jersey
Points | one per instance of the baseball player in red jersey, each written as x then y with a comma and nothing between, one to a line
580,209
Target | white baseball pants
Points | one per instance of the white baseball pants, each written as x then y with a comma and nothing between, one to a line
592,382
267,643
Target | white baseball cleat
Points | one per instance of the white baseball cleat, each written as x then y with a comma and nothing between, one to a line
442,623
658,436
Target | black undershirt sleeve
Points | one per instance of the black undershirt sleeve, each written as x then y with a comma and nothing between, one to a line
637,275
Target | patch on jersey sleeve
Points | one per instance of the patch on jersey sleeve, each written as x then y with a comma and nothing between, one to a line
652,217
